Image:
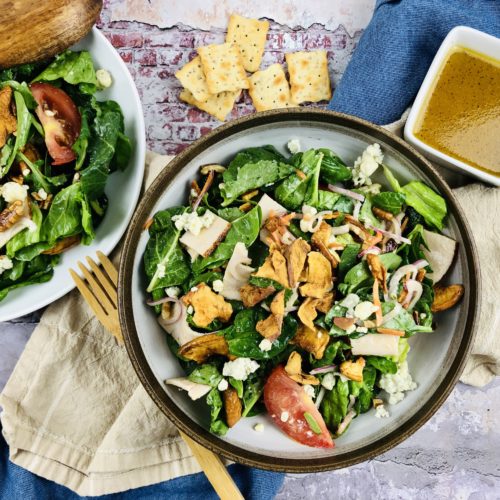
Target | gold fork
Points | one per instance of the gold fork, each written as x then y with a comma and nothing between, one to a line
99,289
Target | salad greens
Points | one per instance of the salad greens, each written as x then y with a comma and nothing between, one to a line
303,306
54,163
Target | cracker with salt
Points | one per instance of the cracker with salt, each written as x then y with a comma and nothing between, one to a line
218,105
250,36
309,78
193,79
269,89
223,68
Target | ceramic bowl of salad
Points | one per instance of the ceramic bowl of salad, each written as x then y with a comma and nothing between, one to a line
68,128
298,291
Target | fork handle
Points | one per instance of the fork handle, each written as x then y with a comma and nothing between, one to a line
215,471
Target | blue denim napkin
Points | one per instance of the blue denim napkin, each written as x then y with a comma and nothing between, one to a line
17,483
396,50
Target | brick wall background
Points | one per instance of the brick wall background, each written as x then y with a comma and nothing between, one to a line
153,55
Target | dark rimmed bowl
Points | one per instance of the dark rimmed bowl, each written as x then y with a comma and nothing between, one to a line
436,360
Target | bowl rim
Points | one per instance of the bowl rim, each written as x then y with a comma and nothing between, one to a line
451,40
157,392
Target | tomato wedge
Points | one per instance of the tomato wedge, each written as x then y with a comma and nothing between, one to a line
60,119
287,400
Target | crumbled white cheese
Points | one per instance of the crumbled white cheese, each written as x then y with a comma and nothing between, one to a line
265,345
240,368
351,301
173,291
76,177
284,416
5,263
218,286
423,315
350,329
161,270
192,222
329,381
12,191
397,384
293,146
258,427
223,385
190,310
309,390
362,329
381,412
364,310
308,218
194,289
193,193
366,164
26,172
42,193
104,78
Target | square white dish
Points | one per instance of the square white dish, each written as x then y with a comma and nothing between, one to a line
468,38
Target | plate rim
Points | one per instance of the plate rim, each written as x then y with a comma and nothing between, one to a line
141,148
169,407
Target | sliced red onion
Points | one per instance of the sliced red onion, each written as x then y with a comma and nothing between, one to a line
391,314
340,230
398,275
373,249
206,186
323,369
352,400
162,301
400,239
346,192
415,289
357,208
177,313
345,423
421,263
321,395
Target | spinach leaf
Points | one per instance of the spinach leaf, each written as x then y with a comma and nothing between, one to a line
360,276
327,200
336,311
23,72
389,201
344,204
106,128
294,190
366,215
240,178
334,405
214,401
230,214
254,386
72,67
40,180
245,229
238,385
403,321
23,117
264,282
243,340
333,169
413,252
206,374
430,205
81,144
164,261
363,391
27,236
332,351
382,364
209,277
348,259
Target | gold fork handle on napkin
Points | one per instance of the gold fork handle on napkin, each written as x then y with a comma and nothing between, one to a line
99,290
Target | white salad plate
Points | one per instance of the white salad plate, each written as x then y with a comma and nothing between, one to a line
123,187
435,359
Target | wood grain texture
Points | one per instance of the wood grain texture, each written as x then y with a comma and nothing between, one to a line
34,30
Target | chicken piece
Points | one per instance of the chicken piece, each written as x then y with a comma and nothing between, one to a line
446,297
201,348
319,276
325,304
207,305
293,369
251,295
353,370
296,255
321,240
270,328
8,122
307,312
312,340
274,268
232,406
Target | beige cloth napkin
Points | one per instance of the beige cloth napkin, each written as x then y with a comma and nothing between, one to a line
75,412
